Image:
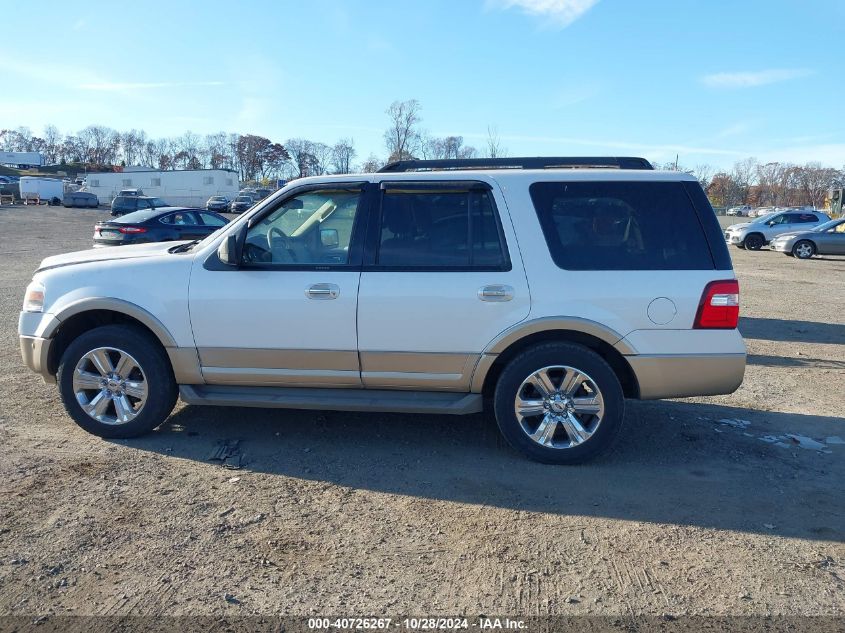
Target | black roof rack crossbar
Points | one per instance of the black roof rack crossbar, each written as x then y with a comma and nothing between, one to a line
538,162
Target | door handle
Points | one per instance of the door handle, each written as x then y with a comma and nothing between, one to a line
323,291
495,293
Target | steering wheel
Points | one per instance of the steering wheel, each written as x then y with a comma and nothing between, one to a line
284,239
254,254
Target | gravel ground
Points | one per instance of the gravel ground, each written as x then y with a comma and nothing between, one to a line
694,512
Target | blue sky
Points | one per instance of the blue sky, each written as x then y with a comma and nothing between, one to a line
711,80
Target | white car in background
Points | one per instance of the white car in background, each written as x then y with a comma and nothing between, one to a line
759,232
740,211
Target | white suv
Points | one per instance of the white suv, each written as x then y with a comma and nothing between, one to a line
551,289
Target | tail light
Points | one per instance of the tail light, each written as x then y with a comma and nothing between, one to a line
132,229
719,306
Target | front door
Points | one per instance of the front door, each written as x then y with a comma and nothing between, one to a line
286,315
442,277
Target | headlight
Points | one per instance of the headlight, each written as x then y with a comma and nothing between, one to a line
33,300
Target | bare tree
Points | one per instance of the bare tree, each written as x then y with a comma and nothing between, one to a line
372,164
322,154
402,137
52,144
815,181
303,162
343,153
494,144
743,175
703,173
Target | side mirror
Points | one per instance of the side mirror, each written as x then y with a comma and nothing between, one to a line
329,238
229,250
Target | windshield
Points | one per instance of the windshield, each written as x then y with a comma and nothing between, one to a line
243,199
821,228
217,198
763,218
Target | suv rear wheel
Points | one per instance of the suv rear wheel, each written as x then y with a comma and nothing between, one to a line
559,403
116,381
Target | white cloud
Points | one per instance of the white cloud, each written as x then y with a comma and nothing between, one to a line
736,129
751,79
113,86
561,13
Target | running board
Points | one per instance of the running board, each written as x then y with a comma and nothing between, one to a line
439,402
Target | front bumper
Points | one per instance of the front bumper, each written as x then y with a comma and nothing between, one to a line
35,352
782,246
733,238
686,375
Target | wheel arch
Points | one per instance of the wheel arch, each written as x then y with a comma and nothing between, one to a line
87,314
606,342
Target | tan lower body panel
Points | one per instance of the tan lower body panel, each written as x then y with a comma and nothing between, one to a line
325,368
279,367
425,371
681,376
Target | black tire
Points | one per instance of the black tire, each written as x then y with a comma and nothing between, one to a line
804,254
152,359
559,354
754,242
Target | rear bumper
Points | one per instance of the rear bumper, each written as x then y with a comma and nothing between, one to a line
35,352
685,375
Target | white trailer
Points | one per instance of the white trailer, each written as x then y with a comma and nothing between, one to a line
41,189
189,188
21,159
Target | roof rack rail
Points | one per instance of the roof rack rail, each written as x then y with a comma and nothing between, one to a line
537,162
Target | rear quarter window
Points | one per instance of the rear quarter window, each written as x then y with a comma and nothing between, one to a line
621,226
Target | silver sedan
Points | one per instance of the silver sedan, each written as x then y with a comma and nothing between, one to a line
825,239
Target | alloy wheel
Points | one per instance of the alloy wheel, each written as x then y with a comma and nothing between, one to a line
559,407
110,385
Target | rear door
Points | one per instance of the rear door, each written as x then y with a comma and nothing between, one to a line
442,277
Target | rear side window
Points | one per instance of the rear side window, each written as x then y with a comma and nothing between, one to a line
440,229
621,226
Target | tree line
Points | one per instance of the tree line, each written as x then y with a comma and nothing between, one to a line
255,157
252,156
779,184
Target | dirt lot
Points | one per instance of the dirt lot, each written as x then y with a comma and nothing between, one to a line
694,512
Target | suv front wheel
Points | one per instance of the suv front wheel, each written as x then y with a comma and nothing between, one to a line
116,381
559,403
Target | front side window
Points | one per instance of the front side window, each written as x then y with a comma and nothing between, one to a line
440,229
621,226
312,228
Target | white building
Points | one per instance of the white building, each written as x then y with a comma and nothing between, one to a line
190,187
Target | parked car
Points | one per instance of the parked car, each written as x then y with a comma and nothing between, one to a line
166,224
127,204
759,232
825,239
241,204
131,192
217,203
422,288
84,199
262,193
739,211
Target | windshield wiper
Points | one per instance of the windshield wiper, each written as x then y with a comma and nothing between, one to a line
184,247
